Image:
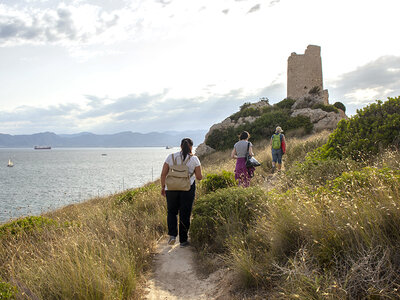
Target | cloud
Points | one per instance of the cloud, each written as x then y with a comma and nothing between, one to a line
65,24
135,112
274,2
377,79
255,8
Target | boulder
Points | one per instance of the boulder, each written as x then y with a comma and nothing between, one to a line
243,120
203,150
314,114
223,125
329,122
321,119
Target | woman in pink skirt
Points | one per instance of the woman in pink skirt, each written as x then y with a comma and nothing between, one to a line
242,173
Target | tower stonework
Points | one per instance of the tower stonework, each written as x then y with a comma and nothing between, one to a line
304,74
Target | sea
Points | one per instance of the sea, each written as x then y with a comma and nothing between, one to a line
44,180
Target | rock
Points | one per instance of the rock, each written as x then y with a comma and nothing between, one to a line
223,125
260,104
204,149
329,122
308,102
321,119
314,114
243,120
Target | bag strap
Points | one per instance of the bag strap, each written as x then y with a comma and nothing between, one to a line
173,160
248,147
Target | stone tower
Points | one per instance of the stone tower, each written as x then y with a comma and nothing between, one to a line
304,74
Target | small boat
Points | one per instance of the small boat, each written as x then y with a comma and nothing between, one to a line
42,147
10,163
104,154
168,147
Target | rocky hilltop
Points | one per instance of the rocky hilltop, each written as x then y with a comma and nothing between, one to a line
313,107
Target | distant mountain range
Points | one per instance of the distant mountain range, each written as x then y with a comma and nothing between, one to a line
87,139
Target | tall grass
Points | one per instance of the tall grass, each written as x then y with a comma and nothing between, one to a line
96,250
326,230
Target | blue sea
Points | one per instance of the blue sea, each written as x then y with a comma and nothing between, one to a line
43,180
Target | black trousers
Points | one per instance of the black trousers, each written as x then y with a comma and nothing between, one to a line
182,202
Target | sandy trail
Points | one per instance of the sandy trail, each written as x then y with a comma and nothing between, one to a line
174,276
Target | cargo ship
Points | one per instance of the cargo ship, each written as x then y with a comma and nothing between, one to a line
42,147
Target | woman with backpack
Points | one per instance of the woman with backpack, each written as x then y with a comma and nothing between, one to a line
242,173
178,184
278,147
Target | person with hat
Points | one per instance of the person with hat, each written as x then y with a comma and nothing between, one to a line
278,146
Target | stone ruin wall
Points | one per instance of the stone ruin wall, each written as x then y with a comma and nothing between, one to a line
304,73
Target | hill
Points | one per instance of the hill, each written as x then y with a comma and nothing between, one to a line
297,117
87,139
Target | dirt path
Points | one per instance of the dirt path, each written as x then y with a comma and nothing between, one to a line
174,276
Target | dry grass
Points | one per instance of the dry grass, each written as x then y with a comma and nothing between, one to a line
99,251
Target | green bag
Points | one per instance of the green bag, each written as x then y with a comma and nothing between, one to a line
276,141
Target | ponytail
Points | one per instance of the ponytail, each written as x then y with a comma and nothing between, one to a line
186,146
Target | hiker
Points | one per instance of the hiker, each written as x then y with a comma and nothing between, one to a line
180,201
242,173
278,147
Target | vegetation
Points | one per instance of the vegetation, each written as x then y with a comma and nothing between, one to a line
340,105
103,257
327,108
328,227
315,90
216,181
263,127
26,225
7,291
222,214
374,128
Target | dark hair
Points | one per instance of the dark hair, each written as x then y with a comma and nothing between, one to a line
244,135
186,145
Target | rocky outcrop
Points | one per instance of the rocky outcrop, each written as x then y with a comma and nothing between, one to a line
322,120
203,150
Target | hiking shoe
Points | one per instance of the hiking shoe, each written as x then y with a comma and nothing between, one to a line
185,244
171,240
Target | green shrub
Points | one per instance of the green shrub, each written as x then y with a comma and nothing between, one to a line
372,129
24,225
340,105
315,90
315,171
327,108
223,214
260,129
285,103
214,181
7,291
130,196
297,153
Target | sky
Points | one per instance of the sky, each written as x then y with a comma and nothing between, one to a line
108,66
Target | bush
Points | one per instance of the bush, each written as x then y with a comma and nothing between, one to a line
285,103
260,129
222,214
341,240
130,196
24,225
327,108
297,151
372,129
340,105
7,291
214,181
